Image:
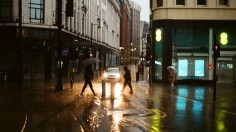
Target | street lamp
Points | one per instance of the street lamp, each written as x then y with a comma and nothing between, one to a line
131,52
19,63
122,54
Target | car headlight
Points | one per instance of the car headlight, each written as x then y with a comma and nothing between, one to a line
105,75
118,75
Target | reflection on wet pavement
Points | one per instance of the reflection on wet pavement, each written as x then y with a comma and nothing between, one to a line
154,109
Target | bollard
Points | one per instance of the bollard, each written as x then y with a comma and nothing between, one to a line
103,88
113,89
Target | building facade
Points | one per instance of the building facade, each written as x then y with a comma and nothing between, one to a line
183,35
125,32
135,32
93,27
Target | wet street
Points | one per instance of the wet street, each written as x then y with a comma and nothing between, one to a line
149,109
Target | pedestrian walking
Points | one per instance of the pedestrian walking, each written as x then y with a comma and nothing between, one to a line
171,77
127,77
137,76
88,76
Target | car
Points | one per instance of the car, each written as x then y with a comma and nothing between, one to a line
112,74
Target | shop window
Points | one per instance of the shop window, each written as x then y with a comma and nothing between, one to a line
159,3
183,68
36,11
180,2
5,10
201,2
223,2
199,68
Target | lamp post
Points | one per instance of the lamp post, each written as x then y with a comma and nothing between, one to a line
59,86
122,54
19,65
131,52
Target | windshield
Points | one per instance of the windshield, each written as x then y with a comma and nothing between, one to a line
113,70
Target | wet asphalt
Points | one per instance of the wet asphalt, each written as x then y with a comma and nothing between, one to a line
153,108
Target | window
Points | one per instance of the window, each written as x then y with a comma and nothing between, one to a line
183,68
199,68
180,2
5,10
159,3
201,2
223,2
36,11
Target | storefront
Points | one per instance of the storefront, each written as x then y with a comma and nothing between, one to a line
188,46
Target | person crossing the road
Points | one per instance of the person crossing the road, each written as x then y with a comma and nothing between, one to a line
88,76
127,77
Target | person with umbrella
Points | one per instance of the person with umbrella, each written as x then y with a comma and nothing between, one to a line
88,76
171,77
127,77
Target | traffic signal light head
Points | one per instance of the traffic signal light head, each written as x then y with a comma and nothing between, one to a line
216,50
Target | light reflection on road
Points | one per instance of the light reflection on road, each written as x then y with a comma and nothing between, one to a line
186,109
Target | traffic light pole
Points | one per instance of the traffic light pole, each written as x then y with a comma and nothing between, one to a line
215,78
216,50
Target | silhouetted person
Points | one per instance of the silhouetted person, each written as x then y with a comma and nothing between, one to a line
88,75
127,77
137,76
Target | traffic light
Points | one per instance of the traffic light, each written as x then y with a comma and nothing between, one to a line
216,50
69,8
148,54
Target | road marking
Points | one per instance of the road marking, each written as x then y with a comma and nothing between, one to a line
228,112
23,127
138,113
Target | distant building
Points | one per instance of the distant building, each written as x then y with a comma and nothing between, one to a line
183,35
125,38
135,32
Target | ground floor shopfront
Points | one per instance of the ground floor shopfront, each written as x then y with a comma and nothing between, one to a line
40,52
187,45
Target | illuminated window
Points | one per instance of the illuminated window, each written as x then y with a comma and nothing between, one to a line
199,68
183,68
36,11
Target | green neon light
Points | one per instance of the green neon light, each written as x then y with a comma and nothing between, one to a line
224,38
158,35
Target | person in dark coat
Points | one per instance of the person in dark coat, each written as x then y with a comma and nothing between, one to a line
127,77
88,76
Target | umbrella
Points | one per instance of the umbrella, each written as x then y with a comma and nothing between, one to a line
171,69
91,60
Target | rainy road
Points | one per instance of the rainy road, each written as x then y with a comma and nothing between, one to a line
189,108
